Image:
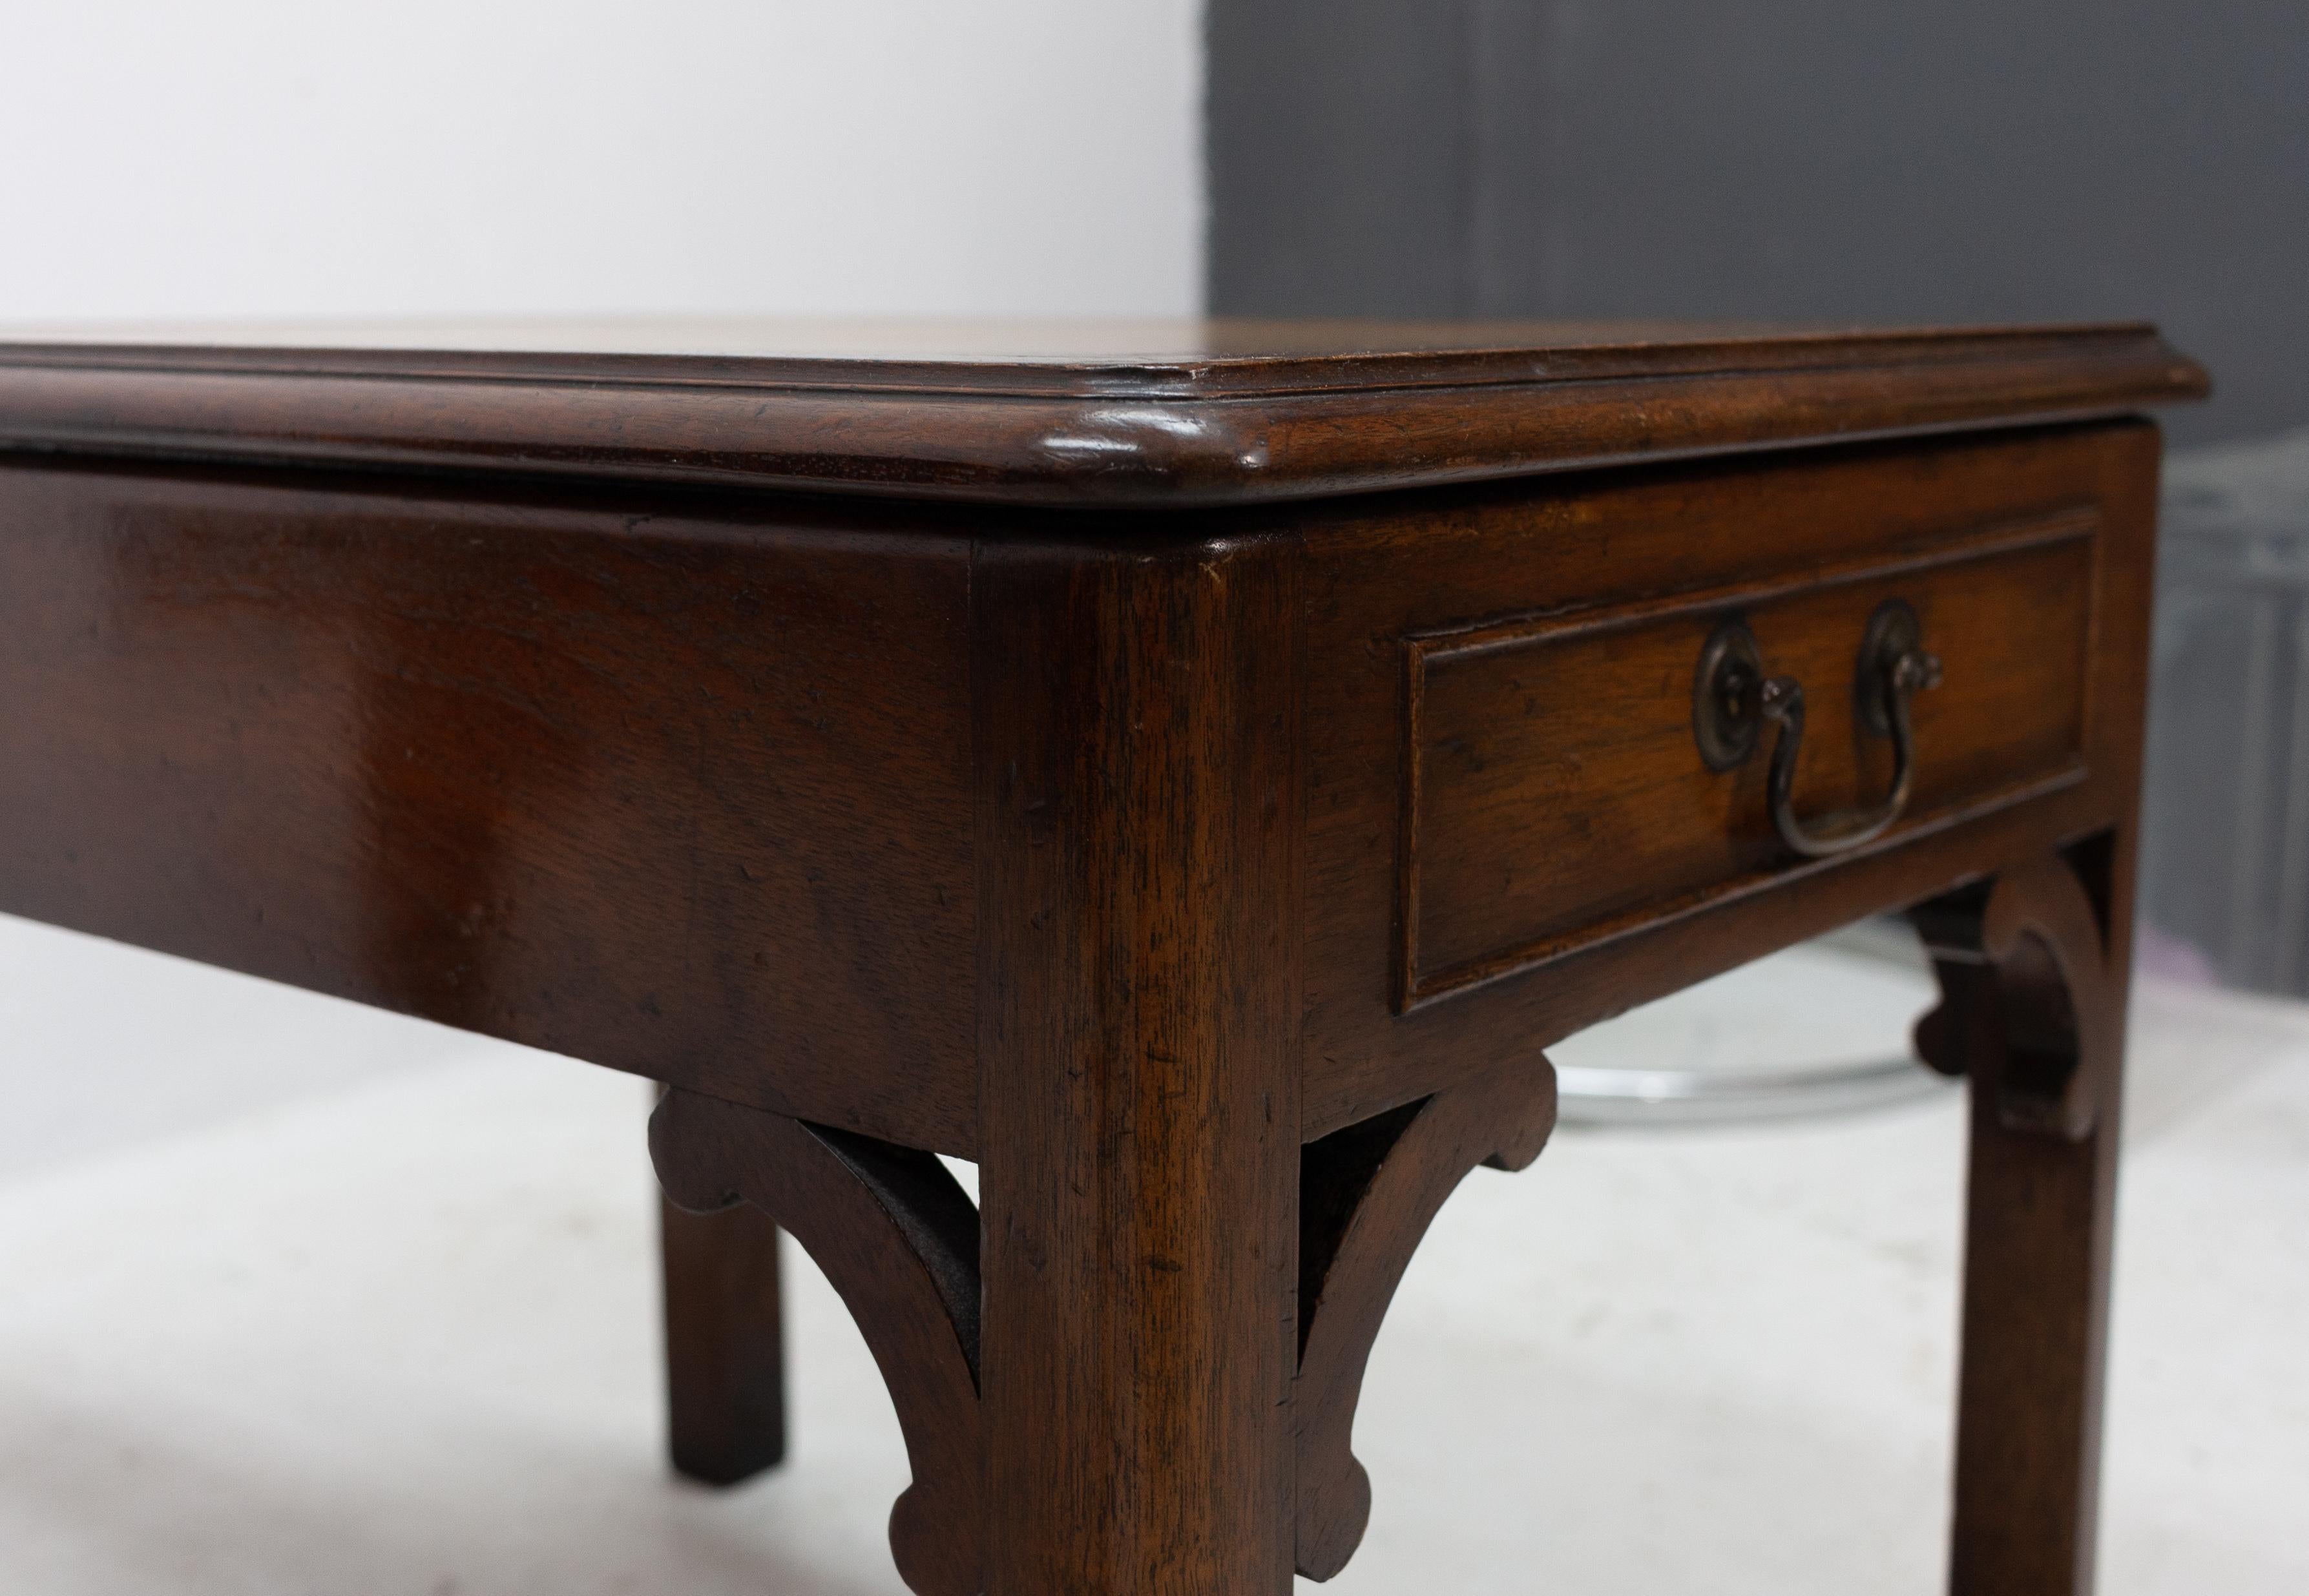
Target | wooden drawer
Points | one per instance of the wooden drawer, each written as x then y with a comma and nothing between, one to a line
1555,794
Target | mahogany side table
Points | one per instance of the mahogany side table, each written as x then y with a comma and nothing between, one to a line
1193,771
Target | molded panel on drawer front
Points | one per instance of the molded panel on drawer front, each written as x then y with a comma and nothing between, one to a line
1554,794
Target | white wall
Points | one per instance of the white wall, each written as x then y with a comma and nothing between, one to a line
296,158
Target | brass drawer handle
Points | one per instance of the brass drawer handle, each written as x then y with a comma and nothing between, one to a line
1733,696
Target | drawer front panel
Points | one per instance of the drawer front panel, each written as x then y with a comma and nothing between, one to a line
1555,793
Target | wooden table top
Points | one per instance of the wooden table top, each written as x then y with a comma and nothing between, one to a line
1138,413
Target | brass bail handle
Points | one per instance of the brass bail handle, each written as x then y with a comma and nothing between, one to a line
1731,695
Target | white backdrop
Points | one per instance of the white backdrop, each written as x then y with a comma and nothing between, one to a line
296,158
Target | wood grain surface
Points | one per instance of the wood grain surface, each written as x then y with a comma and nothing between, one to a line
897,1237
1190,414
1139,1002
725,1357
675,788
1554,791
856,737
1367,1196
1384,572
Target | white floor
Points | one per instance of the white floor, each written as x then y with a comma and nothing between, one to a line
304,1299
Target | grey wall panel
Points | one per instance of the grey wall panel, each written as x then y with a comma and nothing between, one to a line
1338,134
1932,160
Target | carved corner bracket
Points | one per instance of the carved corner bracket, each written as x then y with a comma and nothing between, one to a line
897,1237
1367,1195
2028,1005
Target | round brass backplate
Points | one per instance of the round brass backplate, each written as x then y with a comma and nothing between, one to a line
1892,631
1726,712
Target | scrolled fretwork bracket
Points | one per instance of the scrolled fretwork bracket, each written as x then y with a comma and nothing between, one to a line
2028,1006
897,1237
1367,1195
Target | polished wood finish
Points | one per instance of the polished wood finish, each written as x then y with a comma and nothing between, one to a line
1138,827
2033,975
1397,570
1157,415
669,786
1367,1195
865,748
725,1363
1550,796
898,1238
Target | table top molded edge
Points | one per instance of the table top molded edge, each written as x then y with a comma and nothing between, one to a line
1137,433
